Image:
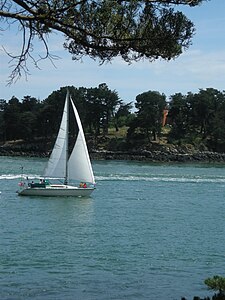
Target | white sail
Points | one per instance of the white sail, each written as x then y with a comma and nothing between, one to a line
79,165
56,166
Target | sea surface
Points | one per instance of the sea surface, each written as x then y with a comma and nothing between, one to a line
149,231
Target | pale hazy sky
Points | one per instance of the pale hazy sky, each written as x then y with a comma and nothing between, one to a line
201,66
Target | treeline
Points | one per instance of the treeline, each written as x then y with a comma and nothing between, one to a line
195,118
30,118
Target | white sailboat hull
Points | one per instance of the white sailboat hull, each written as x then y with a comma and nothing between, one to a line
56,190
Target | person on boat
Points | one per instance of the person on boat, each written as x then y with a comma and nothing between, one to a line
83,185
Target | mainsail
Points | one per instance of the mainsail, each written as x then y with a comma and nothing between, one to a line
56,166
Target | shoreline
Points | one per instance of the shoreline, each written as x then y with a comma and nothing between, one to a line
160,156
140,155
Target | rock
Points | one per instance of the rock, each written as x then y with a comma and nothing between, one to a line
152,152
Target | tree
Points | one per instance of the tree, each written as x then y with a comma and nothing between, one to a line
110,101
178,117
12,118
198,118
150,106
102,30
216,283
2,123
30,104
216,127
96,107
52,110
28,125
202,110
122,115
206,117
101,104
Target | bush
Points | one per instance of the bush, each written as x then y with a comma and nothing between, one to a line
216,283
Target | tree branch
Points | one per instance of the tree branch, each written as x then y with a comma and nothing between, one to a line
100,29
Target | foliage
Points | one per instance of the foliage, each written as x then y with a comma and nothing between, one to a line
216,283
150,106
12,115
2,123
178,117
123,115
99,107
197,119
101,30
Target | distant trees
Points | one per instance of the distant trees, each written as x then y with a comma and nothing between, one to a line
123,115
19,119
195,118
198,118
178,117
149,115
12,117
98,107
2,123
102,105
30,114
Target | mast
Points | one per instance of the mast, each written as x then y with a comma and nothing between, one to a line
67,137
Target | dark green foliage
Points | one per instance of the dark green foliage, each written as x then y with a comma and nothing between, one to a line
117,144
28,124
98,108
197,119
109,101
2,122
123,115
178,117
216,283
148,122
12,117
21,119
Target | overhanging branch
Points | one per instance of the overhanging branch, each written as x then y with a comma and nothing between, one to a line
102,30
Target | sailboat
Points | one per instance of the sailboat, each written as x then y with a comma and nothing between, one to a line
76,167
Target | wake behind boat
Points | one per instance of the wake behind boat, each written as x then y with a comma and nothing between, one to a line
76,168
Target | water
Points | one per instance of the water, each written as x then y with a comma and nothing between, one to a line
149,231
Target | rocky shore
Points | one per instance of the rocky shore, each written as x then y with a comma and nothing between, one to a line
159,156
150,153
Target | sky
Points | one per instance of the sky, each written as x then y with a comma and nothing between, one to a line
201,66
